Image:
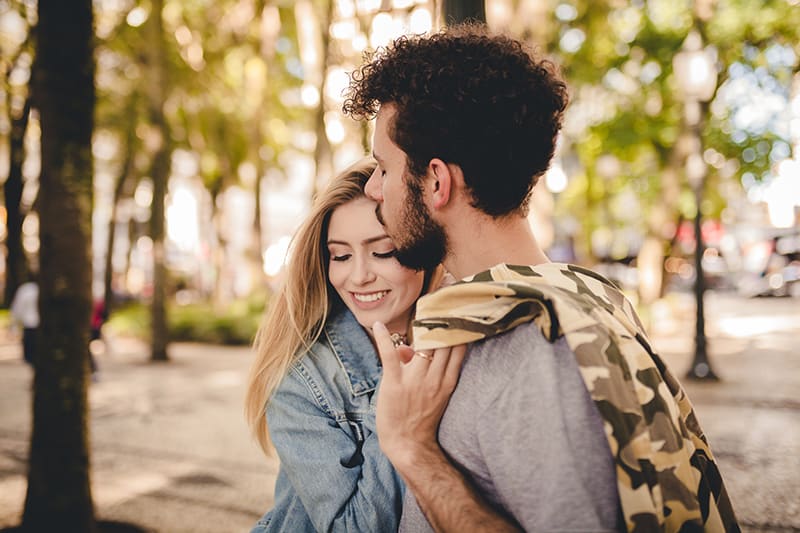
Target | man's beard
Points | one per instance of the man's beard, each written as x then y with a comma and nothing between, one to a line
420,242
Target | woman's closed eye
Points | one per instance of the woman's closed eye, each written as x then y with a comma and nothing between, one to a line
385,255
340,257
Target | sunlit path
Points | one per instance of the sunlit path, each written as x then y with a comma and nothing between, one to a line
170,450
752,417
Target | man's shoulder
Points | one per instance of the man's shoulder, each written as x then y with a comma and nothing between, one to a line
522,339
522,348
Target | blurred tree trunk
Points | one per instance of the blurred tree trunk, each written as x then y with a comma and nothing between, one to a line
660,216
455,11
119,189
323,153
268,34
59,496
222,284
16,263
159,173
258,232
256,255
256,140
222,281
133,235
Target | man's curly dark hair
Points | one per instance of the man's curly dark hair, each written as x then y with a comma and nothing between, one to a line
470,98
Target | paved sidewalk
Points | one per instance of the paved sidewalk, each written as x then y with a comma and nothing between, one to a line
752,416
170,449
171,452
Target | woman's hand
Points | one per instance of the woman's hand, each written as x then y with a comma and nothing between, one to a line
413,395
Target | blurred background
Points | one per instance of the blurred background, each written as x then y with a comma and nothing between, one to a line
249,115
677,173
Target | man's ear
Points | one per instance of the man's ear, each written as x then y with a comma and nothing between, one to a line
441,176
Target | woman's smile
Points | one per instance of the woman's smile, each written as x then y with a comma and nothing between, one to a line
369,297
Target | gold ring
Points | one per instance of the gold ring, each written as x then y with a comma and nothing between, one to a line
424,355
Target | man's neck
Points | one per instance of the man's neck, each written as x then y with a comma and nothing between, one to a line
481,242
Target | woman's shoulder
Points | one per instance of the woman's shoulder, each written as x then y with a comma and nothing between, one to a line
313,357
340,362
308,378
340,335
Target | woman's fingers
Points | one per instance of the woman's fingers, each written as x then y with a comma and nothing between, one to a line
390,356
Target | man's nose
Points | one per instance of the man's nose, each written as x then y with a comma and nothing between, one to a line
373,188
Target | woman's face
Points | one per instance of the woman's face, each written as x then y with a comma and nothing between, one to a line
363,270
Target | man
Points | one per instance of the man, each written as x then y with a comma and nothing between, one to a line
563,418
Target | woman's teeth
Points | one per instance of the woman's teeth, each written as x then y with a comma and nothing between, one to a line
371,297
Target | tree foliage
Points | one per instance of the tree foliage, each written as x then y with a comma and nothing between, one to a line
627,109
17,58
241,99
225,67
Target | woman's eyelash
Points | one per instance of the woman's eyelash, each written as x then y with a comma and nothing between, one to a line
379,255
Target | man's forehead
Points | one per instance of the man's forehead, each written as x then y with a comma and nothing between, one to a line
379,138
385,115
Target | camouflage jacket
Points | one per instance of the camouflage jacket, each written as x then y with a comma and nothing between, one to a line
667,478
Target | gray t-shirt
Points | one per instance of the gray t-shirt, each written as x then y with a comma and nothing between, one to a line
523,426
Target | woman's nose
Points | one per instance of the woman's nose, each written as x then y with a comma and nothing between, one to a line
362,273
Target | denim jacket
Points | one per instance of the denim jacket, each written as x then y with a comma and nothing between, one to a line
333,476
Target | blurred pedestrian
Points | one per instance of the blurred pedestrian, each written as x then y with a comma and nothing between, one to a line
25,311
99,317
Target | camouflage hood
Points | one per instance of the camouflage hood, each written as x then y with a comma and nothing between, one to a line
666,474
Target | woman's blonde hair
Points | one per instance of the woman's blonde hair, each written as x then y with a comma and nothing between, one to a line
299,310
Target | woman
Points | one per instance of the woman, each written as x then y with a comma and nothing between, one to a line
316,368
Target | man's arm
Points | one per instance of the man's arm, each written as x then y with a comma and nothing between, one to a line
412,398
445,497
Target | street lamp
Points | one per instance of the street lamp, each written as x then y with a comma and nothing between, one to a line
697,76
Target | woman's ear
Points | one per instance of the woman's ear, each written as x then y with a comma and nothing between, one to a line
442,182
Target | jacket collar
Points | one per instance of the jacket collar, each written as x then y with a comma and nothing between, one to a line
352,347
